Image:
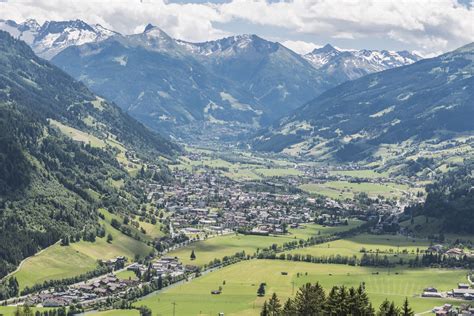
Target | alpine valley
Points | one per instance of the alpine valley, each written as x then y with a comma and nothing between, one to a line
142,174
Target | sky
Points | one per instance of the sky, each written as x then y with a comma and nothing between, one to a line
427,27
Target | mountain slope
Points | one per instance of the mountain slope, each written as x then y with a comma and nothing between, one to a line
433,98
451,199
350,65
277,77
238,83
52,37
49,183
154,80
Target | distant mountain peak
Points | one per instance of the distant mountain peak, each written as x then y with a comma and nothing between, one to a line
153,31
325,49
30,24
53,36
148,27
352,64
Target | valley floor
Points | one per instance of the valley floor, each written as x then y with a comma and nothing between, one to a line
239,294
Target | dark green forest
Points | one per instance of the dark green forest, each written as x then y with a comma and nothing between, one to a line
451,198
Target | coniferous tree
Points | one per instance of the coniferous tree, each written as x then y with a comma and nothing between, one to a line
393,310
406,310
388,309
288,308
264,311
309,300
332,302
274,306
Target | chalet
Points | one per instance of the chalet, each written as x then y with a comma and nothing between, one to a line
460,292
432,294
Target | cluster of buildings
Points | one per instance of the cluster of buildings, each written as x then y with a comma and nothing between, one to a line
85,293
207,200
163,267
450,310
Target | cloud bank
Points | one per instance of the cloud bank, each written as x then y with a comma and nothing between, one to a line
429,26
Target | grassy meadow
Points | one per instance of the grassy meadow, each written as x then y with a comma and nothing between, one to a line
346,190
394,246
241,282
59,262
220,246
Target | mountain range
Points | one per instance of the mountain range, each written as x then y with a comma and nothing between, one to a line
352,64
430,99
241,80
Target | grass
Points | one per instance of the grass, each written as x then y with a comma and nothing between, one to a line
241,282
10,310
55,262
58,262
370,174
240,171
117,312
391,245
310,230
277,172
126,275
78,135
346,190
220,246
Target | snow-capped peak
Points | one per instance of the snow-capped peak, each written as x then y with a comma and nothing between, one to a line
153,31
356,63
29,25
230,46
321,56
54,36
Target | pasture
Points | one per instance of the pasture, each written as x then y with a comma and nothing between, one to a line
346,190
59,262
239,296
394,246
366,173
220,246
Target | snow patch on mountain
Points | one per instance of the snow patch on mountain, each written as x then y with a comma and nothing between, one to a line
52,37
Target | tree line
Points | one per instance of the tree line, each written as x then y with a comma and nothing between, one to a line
311,300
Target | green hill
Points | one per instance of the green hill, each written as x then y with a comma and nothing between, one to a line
428,101
60,147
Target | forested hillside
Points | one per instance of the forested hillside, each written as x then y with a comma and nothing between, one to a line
430,99
451,198
50,184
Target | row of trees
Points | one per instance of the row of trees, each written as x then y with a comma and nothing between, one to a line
311,300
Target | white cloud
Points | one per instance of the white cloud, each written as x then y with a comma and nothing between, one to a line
426,25
300,47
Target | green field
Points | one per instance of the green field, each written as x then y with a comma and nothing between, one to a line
277,172
346,190
311,230
115,312
241,282
367,173
58,262
126,275
240,171
10,310
391,245
220,246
